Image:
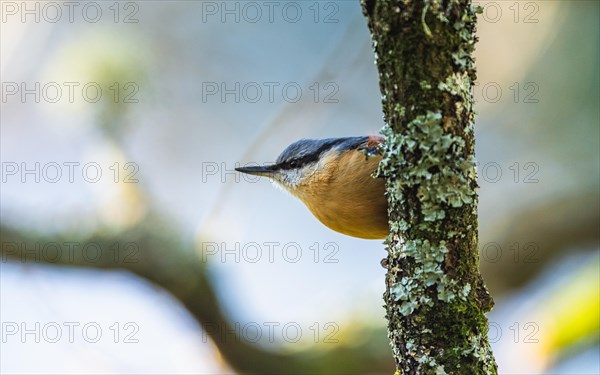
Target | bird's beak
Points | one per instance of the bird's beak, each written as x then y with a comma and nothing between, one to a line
261,170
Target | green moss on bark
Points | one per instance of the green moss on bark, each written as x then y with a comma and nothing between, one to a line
435,298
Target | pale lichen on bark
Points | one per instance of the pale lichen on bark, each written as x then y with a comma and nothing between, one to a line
435,298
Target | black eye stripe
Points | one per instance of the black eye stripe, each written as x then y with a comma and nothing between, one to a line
296,163
342,144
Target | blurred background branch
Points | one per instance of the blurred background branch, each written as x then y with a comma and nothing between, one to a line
165,261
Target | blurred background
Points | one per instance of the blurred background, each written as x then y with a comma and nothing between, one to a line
130,245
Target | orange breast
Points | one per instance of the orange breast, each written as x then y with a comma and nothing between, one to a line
345,197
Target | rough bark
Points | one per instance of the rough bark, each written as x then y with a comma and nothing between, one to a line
435,298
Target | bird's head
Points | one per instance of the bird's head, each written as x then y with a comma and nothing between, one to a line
305,162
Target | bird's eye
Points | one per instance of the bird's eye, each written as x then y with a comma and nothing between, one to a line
293,163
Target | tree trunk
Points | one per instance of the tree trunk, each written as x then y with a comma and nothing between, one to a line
435,297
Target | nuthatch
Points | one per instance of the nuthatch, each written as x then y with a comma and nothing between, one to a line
333,178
